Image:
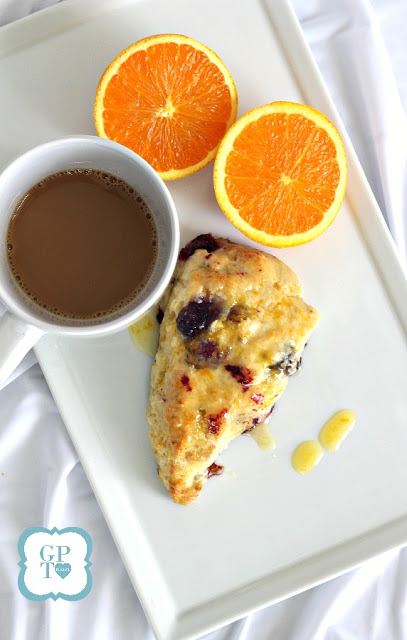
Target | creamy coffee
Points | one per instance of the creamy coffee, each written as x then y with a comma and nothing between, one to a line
82,244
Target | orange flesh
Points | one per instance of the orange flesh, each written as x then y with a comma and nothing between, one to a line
169,103
282,174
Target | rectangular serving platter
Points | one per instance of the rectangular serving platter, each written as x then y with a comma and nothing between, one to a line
260,532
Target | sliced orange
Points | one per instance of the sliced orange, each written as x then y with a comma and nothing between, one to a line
280,174
170,99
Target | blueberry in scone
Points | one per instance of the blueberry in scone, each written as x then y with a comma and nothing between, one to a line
233,327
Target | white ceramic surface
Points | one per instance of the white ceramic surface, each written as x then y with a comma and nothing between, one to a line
263,532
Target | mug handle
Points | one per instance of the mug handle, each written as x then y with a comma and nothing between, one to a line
16,339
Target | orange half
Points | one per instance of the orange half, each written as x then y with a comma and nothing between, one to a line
280,174
170,99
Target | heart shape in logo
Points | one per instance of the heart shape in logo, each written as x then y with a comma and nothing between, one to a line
63,569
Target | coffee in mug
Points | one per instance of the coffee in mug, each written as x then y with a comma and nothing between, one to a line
82,244
86,251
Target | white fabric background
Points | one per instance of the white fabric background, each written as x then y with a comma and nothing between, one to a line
360,46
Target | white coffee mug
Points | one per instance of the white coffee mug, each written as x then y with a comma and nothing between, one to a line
24,322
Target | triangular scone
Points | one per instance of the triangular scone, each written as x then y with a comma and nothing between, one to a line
233,330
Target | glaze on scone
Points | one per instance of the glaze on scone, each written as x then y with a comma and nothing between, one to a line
233,330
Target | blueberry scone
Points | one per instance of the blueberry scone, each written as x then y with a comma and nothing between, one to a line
232,332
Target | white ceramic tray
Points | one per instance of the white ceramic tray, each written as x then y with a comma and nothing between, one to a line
263,532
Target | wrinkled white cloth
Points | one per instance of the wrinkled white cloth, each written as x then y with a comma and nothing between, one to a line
360,48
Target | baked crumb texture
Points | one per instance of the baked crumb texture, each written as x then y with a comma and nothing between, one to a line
233,330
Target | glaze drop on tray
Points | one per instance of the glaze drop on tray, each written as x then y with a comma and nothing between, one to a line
233,331
336,429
